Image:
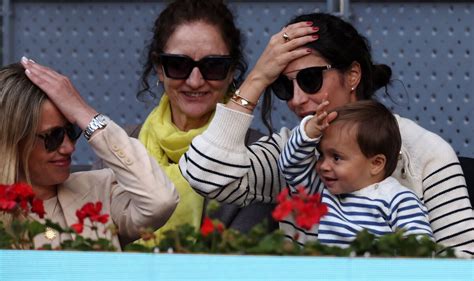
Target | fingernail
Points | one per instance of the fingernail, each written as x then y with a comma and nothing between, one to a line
31,60
24,59
309,50
315,28
27,71
315,36
309,23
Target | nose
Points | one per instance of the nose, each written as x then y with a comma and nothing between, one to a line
299,96
195,79
67,147
322,165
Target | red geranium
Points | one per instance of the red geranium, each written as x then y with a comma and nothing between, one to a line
78,227
92,211
21,195
208,227
307,209
37,207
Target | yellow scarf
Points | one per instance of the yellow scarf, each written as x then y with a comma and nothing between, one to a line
167,144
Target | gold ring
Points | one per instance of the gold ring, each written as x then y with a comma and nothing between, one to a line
286,37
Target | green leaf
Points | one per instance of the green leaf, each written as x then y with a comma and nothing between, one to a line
35,228
54,226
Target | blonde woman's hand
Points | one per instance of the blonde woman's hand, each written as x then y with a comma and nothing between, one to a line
315,126
61,92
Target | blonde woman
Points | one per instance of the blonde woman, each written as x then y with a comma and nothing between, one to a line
42,116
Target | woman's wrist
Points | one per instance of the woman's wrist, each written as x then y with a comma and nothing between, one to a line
85,117
248,94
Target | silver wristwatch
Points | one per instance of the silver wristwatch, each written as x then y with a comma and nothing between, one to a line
98,122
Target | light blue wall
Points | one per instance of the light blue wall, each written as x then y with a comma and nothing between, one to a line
63,265
99,44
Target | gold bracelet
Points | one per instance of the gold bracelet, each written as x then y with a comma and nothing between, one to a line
241,101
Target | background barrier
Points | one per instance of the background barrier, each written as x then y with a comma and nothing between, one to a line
429,46
57,265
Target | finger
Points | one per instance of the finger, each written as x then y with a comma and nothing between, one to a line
50,82
302,25
322,105
44,71
40,70
322,118
331,116
300,31
298,42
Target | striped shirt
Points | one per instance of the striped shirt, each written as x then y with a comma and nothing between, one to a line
381,209
219,165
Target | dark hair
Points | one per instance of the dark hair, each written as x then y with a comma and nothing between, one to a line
340,44
179,12
377,130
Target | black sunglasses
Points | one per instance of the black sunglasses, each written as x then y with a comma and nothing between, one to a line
181,66
310,80
55,137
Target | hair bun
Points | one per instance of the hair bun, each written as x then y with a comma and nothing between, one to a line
381,75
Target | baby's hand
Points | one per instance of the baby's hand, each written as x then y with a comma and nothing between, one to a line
320,121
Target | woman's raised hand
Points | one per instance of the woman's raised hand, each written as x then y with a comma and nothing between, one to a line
320,121
283,47
61,92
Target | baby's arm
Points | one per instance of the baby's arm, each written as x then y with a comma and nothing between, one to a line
409,213
298,159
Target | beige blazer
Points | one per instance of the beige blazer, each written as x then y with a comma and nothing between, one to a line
134,190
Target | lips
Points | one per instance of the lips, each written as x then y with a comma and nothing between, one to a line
328,181
304,114
195,94
62,162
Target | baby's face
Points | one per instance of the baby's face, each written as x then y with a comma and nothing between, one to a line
342,166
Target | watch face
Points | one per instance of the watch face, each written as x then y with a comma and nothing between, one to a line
101,118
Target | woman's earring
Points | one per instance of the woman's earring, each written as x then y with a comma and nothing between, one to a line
352,89
158,83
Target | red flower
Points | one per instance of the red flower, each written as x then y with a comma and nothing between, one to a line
207,227
22,195
6,205
37,207
283,196
78,227
102,218
282,210
307,209
22,190
92,211
81,215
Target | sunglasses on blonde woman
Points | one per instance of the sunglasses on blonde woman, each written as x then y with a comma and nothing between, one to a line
181,66
310,80
55,137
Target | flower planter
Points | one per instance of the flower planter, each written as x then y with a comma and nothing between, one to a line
62,265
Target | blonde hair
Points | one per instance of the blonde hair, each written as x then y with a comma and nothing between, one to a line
20,107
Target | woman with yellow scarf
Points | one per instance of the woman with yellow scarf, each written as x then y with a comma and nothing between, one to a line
195,52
